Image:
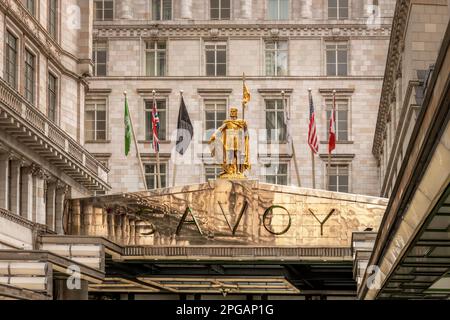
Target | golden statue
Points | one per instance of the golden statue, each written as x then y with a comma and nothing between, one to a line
235,142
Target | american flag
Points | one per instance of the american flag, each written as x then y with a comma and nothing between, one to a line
155,126
312,133
332,129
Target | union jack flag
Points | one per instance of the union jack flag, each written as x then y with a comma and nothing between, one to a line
155,126
313,141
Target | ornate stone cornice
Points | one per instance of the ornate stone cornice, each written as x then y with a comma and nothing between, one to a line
238,30
392,67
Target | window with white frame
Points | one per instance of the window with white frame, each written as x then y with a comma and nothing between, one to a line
276,53
104,10
162,9
215,114
216,59
155,58
337,59
220,9
53,18
276,173
342,119
278,9
30,76
339,178
52,97
151,175
95,120
162,113
338,9
100,57
11,59
212,172
275,121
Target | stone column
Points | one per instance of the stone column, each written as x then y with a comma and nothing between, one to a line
38,195
27,193
125,10
246,9
307,9
186,9
16,166
51,204
4,180
59,208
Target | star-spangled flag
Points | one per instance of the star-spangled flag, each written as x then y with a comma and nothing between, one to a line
313,141
155,126
332,129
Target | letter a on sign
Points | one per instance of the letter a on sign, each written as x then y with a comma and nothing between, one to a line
193,221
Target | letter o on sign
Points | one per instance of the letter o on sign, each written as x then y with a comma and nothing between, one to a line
268,212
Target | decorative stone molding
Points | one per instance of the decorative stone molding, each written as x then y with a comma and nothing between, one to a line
39,172
288,30
392,66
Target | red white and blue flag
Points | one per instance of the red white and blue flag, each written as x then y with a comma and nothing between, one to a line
313,141
155,126
332,129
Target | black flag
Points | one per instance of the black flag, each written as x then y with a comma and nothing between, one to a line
185,129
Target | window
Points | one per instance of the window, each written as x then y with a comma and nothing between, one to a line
275,124
95,120
31,6
276,173
276,58
337,56
342,127
162,112
52,17
100,56
278,9
338,178
155,56
212,172
52,97
216,59
215,114
11,60
30,78
104,10
162,9
338,9
151,175
220,9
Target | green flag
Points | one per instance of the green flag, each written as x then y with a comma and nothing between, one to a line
127,128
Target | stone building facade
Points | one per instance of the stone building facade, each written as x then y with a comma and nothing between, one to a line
45,57
203,48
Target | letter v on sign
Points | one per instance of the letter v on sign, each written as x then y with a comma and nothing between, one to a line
322,222
238,221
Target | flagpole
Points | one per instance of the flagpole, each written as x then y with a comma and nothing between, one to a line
158,167
312,156
243,103
174,164
141,166
297,172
